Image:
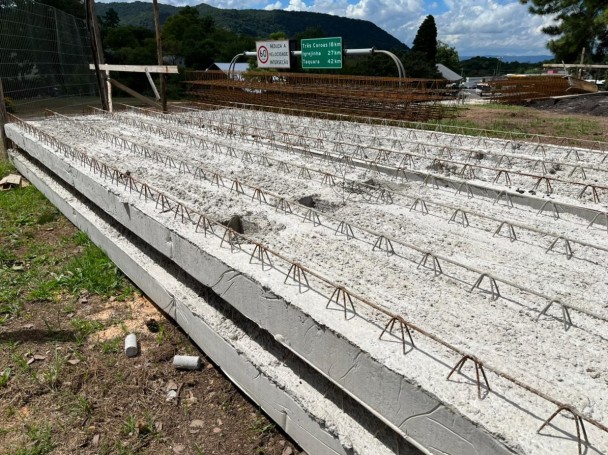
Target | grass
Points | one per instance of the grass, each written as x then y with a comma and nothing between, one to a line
112,346
41,441
35,270
5,377
83,328
499,118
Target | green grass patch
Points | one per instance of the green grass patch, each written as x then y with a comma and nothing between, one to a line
94,272
41,441
112,346
84,327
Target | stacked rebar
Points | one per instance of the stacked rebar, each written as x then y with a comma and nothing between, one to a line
404,99
518,89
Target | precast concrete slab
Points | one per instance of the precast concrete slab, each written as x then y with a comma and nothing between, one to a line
309,408
400,384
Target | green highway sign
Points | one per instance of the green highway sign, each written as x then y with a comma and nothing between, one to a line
322,53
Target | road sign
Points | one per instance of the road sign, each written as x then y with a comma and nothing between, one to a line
322,53
273,54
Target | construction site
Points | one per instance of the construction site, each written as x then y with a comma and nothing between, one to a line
463,274
375,283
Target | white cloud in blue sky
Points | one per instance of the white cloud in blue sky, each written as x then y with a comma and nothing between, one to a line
473,27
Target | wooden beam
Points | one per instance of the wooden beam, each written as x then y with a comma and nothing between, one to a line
134,94
95,40
159,55
3,138
163,69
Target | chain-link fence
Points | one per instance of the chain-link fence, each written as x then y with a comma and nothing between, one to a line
44,58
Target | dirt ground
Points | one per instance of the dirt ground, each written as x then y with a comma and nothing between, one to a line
594,104
66,386
563,119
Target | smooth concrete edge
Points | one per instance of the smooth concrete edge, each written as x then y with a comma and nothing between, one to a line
272,398
403,404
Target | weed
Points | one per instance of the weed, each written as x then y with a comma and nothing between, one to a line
41,441
93,271
50,377
83,328
5,376
48,215
129,427
262,426
111,346
20,362
123,449
160,335
82,406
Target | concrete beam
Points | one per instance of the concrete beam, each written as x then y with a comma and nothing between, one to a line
236,352
417,415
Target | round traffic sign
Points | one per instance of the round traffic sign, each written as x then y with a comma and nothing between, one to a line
263,55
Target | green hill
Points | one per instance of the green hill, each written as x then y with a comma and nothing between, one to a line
260,24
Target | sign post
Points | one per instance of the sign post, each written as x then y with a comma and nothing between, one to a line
322,53
273,54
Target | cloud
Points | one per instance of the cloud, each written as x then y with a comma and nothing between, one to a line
473,27
489,27
272,6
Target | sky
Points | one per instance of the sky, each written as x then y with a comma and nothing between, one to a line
473,27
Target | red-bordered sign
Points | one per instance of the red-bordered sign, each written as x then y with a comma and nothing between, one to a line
263,55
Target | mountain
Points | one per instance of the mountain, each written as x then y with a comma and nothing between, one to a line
514,58
356,33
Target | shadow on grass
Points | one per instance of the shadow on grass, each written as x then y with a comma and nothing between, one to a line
37,336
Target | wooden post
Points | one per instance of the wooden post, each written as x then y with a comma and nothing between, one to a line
96,49
3,138
159,52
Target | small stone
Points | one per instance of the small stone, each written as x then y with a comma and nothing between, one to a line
179,448
217,430
95,441
171,385
171,395
197,423
74,361
287,451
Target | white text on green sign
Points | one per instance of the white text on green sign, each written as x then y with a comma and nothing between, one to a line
322,53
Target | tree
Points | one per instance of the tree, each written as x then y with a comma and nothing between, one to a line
109,20
448,56
580,24
420,61
425,41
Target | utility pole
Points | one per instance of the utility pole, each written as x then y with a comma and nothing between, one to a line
159,52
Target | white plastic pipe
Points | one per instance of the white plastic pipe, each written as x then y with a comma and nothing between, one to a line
187,362
131,345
